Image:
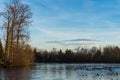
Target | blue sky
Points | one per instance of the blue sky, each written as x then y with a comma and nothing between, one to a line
57,23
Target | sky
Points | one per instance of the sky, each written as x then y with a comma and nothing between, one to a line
65,24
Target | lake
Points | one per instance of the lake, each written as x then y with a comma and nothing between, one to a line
45,71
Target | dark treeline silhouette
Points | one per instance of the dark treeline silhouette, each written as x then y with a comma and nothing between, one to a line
107,54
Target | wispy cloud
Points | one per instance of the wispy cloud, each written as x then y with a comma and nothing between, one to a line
80,44
73,42
68,44
82,40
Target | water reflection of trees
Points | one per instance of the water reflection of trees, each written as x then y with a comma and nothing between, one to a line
62,72
16,74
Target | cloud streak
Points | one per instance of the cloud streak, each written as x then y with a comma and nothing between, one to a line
74,42
82,40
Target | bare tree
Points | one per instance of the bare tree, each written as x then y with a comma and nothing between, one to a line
17,17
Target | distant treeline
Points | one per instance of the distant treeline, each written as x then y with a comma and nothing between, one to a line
94,55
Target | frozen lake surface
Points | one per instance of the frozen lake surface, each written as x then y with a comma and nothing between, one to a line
63,72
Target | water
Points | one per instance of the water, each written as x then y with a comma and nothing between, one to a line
63,72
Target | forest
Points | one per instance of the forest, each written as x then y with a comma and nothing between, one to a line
108,54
